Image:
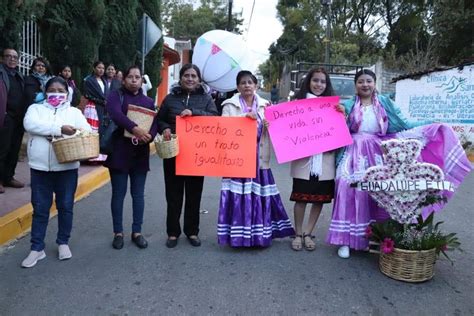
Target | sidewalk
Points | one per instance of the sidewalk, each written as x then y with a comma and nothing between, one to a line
15,206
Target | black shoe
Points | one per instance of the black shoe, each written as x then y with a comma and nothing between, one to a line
171,243
195,242
118,242
140,241
14,183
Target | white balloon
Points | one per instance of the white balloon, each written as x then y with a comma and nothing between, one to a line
220,55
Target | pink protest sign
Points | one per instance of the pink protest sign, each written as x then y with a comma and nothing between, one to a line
306,127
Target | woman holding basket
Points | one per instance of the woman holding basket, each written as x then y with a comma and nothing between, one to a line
130,155
52,117
187,99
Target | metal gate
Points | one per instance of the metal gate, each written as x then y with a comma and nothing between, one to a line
31,46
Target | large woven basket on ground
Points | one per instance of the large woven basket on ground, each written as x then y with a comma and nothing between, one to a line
141,116
167,148
408,265
79,147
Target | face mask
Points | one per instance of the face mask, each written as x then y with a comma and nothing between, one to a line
56,99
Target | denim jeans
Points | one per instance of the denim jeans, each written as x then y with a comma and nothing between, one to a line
43,185
119,182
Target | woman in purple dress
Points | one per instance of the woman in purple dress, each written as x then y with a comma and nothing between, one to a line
372,119
251,212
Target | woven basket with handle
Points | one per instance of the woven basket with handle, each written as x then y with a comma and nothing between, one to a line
167,148
408,265
141,116
81,146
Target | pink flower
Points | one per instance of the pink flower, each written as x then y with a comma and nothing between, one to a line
368,232
444,247
387,245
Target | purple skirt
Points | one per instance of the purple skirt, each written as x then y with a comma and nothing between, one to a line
251,212
354,210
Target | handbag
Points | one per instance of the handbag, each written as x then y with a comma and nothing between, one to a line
107,129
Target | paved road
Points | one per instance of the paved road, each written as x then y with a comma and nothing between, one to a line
99,280
264,94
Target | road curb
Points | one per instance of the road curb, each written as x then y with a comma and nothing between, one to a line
18,222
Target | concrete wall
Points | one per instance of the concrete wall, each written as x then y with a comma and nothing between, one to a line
384,77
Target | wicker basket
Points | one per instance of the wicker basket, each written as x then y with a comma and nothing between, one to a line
80,147
167,148
408,265
141,116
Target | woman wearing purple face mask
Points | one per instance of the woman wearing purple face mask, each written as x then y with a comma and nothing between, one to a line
54,117
55,98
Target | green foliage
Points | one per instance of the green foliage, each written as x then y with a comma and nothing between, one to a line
453,23
423,235
408,24
71,34
414,60
417,33
118,45
80,32
12,15
355,35
183,20
154,58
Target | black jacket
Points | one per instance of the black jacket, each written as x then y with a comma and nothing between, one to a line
198,101
32,87
93,92
76,97
7,96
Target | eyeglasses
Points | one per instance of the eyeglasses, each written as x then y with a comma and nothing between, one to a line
14,57
40,65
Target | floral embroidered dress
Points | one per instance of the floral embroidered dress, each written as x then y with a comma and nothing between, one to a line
370,125
251,212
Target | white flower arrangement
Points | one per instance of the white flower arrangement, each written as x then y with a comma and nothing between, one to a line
401,164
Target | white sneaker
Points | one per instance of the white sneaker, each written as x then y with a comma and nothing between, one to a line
64,252
33,258
344,252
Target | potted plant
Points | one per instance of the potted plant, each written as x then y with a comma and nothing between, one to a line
408,252
409,243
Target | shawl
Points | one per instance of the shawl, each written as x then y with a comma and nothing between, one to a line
42,78
355,117
93,92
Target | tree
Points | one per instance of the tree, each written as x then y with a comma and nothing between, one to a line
71,33
412,24
404,17
183,20
153,60
118,45
82,31
12,16
355,38
453,22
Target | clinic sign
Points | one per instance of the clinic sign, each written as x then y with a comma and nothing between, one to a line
443,96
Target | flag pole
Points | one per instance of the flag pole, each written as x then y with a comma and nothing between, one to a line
145,23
